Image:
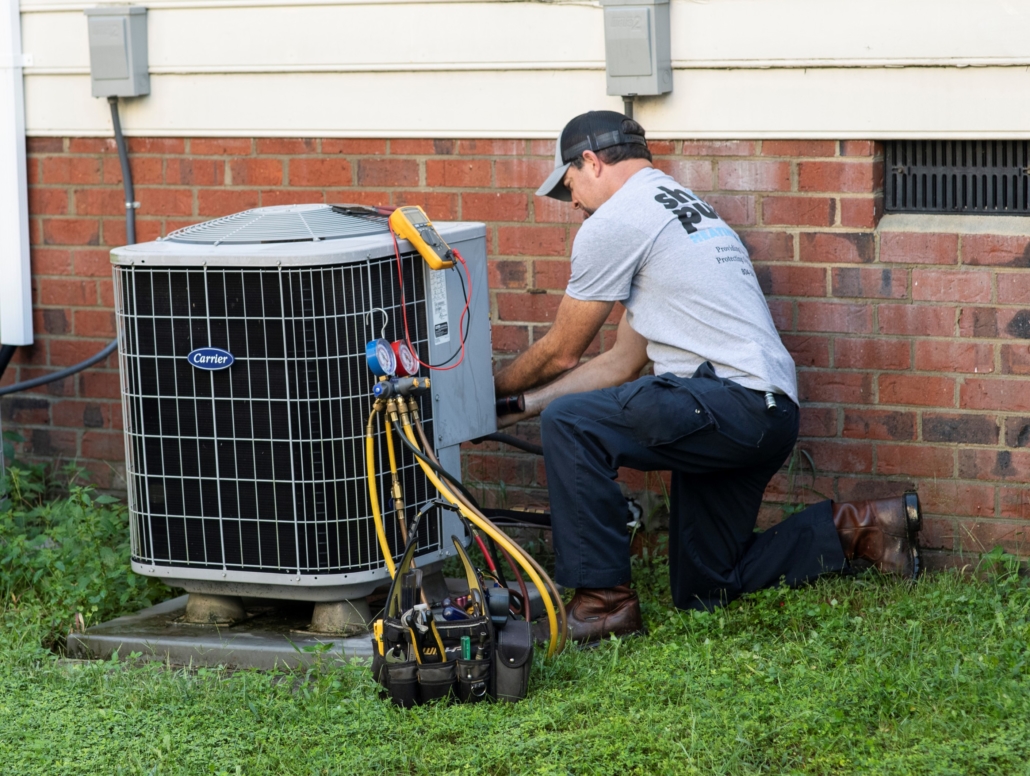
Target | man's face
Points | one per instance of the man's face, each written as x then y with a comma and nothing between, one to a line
584,183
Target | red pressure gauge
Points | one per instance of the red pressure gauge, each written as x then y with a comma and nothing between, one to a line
407,364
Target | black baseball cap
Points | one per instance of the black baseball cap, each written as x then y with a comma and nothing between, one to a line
587,132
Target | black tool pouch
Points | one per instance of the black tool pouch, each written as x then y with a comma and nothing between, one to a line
436,681
378,666
513,659
474,680
403,683
502,656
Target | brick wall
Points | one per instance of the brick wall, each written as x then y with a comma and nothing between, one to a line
911,344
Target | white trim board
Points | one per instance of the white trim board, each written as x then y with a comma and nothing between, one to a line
705,104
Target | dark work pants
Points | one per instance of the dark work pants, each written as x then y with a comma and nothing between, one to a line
722,445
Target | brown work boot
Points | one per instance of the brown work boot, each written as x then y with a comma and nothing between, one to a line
597,613
882,532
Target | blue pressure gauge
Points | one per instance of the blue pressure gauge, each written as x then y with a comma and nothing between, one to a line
381,358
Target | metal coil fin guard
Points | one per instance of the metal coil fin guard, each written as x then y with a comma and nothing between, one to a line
259,467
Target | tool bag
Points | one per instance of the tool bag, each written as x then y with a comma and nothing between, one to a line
418,656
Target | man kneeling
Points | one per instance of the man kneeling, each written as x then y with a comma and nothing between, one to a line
720,412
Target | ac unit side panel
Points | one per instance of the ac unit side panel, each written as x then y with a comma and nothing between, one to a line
463,398
451,525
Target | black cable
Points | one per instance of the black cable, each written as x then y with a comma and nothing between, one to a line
6,351
123,157
496,557
503,522
491,544
534,519
38,381
508,439
438,469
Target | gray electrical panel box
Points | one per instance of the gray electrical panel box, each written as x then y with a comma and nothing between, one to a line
638,54
118,51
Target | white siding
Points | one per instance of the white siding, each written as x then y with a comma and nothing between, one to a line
743,68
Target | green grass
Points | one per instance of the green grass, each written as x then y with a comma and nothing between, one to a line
852,675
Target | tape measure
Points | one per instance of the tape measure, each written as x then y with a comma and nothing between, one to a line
412,224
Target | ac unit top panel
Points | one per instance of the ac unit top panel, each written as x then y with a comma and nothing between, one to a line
283,223
290,235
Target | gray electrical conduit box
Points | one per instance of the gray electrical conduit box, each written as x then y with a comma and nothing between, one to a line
118,51
637,49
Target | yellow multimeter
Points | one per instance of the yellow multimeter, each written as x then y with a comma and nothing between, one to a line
412,224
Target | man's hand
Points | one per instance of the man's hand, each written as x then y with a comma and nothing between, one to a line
613,367
558,351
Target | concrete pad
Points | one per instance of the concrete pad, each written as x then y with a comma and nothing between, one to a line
272,637
275,634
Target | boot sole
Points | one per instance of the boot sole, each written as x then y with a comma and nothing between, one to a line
914,519
913,512
598,642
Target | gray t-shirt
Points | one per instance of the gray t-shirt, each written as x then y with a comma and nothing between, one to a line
687,283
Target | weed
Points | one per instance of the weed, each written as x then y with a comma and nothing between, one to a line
794,502
65,557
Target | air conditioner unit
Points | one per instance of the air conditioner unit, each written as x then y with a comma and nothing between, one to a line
251,480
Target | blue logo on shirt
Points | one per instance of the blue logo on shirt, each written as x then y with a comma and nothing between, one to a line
210,359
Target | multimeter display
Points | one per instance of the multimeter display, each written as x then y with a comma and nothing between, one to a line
415,216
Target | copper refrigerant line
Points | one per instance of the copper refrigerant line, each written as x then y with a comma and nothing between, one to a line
401,416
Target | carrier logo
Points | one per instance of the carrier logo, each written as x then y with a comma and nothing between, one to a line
210,359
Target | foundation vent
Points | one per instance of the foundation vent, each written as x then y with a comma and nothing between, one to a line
990,177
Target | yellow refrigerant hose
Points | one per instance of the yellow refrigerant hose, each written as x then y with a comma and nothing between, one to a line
556,596
548,592
485,525
373,490
398,493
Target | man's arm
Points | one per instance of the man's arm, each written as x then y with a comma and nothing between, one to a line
558,351
613,367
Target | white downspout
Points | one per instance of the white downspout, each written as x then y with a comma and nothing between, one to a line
15,278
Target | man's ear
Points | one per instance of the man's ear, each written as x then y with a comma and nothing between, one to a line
595,163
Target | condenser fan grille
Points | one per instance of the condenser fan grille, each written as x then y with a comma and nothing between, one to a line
285,223
260,466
